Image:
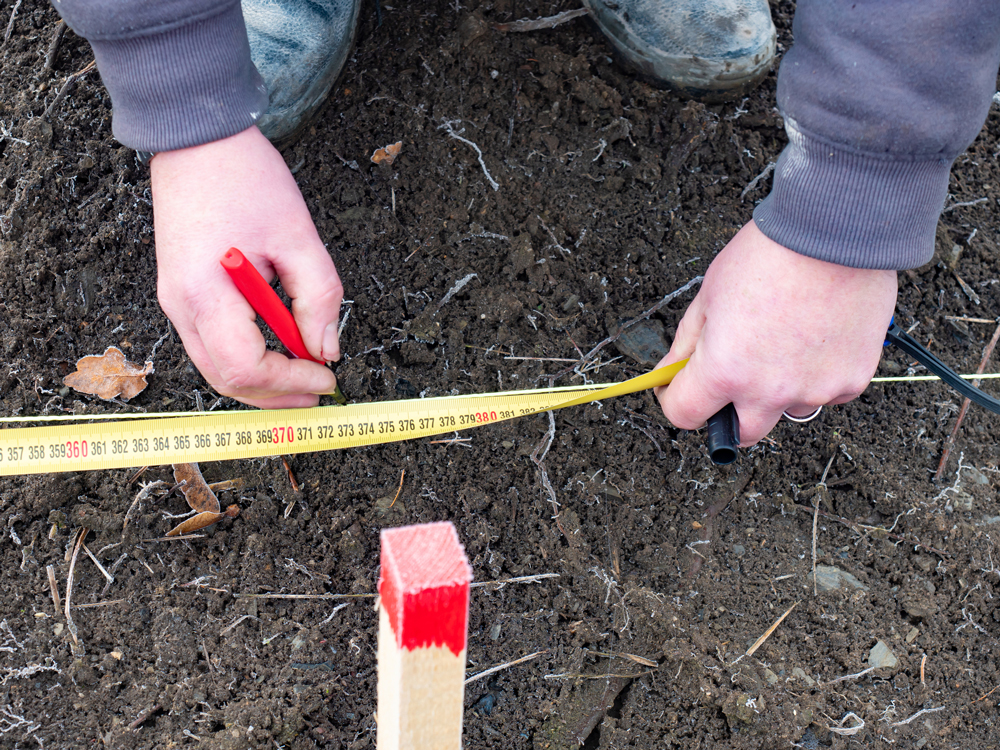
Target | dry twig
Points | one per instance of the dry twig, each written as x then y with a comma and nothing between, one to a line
305,596
184,538
767,633
519,579
950,442
849,731
921,712
754,182
538,458
820,489
449,127
625,326
236,622
50,55
144,716
462,441
67,87
53,586
549,22
70,625
10,23
966,319
401,476
137,503
111,578
291,477
498,667
860,529
984,697
99,604
846,677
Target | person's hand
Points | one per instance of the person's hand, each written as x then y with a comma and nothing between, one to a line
238,192
771,331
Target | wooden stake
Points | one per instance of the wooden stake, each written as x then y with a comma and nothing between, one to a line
423,620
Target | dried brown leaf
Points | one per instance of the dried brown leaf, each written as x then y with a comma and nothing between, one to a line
388,153
202,521
109,375
196,490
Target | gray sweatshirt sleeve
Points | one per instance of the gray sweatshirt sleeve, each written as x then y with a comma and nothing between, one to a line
879,98
178,71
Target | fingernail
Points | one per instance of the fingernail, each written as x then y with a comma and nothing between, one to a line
331,343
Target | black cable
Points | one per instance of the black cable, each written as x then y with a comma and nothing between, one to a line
901,339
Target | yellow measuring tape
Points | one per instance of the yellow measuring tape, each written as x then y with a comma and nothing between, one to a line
154,439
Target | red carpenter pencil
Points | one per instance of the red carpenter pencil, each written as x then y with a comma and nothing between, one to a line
266,302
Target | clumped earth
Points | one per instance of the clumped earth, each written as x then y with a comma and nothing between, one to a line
610,195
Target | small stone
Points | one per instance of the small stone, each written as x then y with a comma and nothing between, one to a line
881,656
740,709
471,28
771,677
570,304
495,632
831,578
963,502
645,342
911,636
353,215
976,475
507,444
390,505
801,674
918,604
739,550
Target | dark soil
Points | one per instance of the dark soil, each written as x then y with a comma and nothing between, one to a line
611,195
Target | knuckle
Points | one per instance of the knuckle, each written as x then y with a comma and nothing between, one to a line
678,417
328,296
236,379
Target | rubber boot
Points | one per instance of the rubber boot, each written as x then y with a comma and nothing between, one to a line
710,50
299,48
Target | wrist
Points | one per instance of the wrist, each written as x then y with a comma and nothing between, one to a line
851,208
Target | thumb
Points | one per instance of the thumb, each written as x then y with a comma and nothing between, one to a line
693,396
311,280
688,332
685,338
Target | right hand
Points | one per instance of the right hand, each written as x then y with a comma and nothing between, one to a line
238,192
771,331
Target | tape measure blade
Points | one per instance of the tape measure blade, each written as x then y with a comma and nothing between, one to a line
258,434
251,434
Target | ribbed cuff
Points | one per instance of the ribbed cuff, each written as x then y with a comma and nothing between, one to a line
182,87
854,209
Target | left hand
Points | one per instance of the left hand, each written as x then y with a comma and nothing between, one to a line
238,192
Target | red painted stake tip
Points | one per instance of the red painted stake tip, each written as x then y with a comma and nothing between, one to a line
424,586
266,302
